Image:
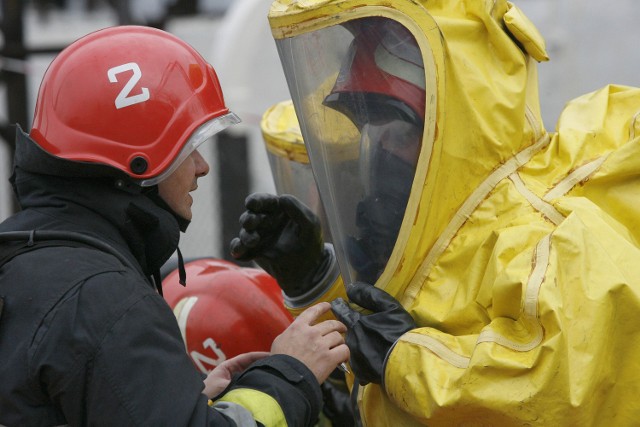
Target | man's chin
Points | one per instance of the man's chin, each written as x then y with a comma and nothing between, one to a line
184,219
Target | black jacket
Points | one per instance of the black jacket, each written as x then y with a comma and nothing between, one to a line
85,339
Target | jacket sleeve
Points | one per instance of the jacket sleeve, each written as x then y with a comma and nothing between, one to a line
559,346
278,390
111,353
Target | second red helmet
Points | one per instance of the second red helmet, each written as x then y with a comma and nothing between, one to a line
225,310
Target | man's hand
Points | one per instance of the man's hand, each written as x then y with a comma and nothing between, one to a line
284,237
371,336
220,377
320,346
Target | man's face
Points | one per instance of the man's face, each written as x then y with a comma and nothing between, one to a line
176,188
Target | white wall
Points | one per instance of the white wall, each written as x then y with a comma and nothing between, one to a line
591,44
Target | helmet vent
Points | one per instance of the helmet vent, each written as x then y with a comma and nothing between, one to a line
138,165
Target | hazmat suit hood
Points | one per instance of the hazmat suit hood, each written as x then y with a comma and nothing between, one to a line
479,108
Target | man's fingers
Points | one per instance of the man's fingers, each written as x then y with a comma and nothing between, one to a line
242,361
247,359
329,326
310,315
334,339
342,352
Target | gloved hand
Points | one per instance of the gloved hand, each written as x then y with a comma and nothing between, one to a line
283,236
371,336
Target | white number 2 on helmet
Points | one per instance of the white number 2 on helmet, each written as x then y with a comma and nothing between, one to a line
124,98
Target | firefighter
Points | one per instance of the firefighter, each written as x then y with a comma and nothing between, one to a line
488,268
104,180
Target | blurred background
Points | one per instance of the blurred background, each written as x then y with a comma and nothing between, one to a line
591,43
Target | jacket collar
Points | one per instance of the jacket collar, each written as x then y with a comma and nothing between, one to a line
105,206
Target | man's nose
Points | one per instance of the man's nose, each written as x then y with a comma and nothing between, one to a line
202,167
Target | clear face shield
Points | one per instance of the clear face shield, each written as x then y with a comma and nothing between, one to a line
200,135
289,161
358,89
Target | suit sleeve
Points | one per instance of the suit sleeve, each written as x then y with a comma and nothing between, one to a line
561,358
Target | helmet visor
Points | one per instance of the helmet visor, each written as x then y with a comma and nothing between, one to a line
200,135
362,122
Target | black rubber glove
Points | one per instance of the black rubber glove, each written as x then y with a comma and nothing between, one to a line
371,336
283,236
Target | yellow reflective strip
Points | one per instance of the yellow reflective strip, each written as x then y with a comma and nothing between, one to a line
574,178
467,208
530,309
437,348
264,408
536,202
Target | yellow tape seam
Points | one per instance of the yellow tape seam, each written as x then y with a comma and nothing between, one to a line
574,178
467,208
536,202
437,348
533,122
530,307
530,314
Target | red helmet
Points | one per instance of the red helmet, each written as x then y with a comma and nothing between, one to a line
225,310
383,70
137,99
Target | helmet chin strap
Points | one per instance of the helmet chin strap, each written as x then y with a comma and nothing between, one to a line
182,274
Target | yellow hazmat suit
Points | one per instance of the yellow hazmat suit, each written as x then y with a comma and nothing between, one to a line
519,251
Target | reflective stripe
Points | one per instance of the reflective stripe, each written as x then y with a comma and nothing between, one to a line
264,408
241,415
